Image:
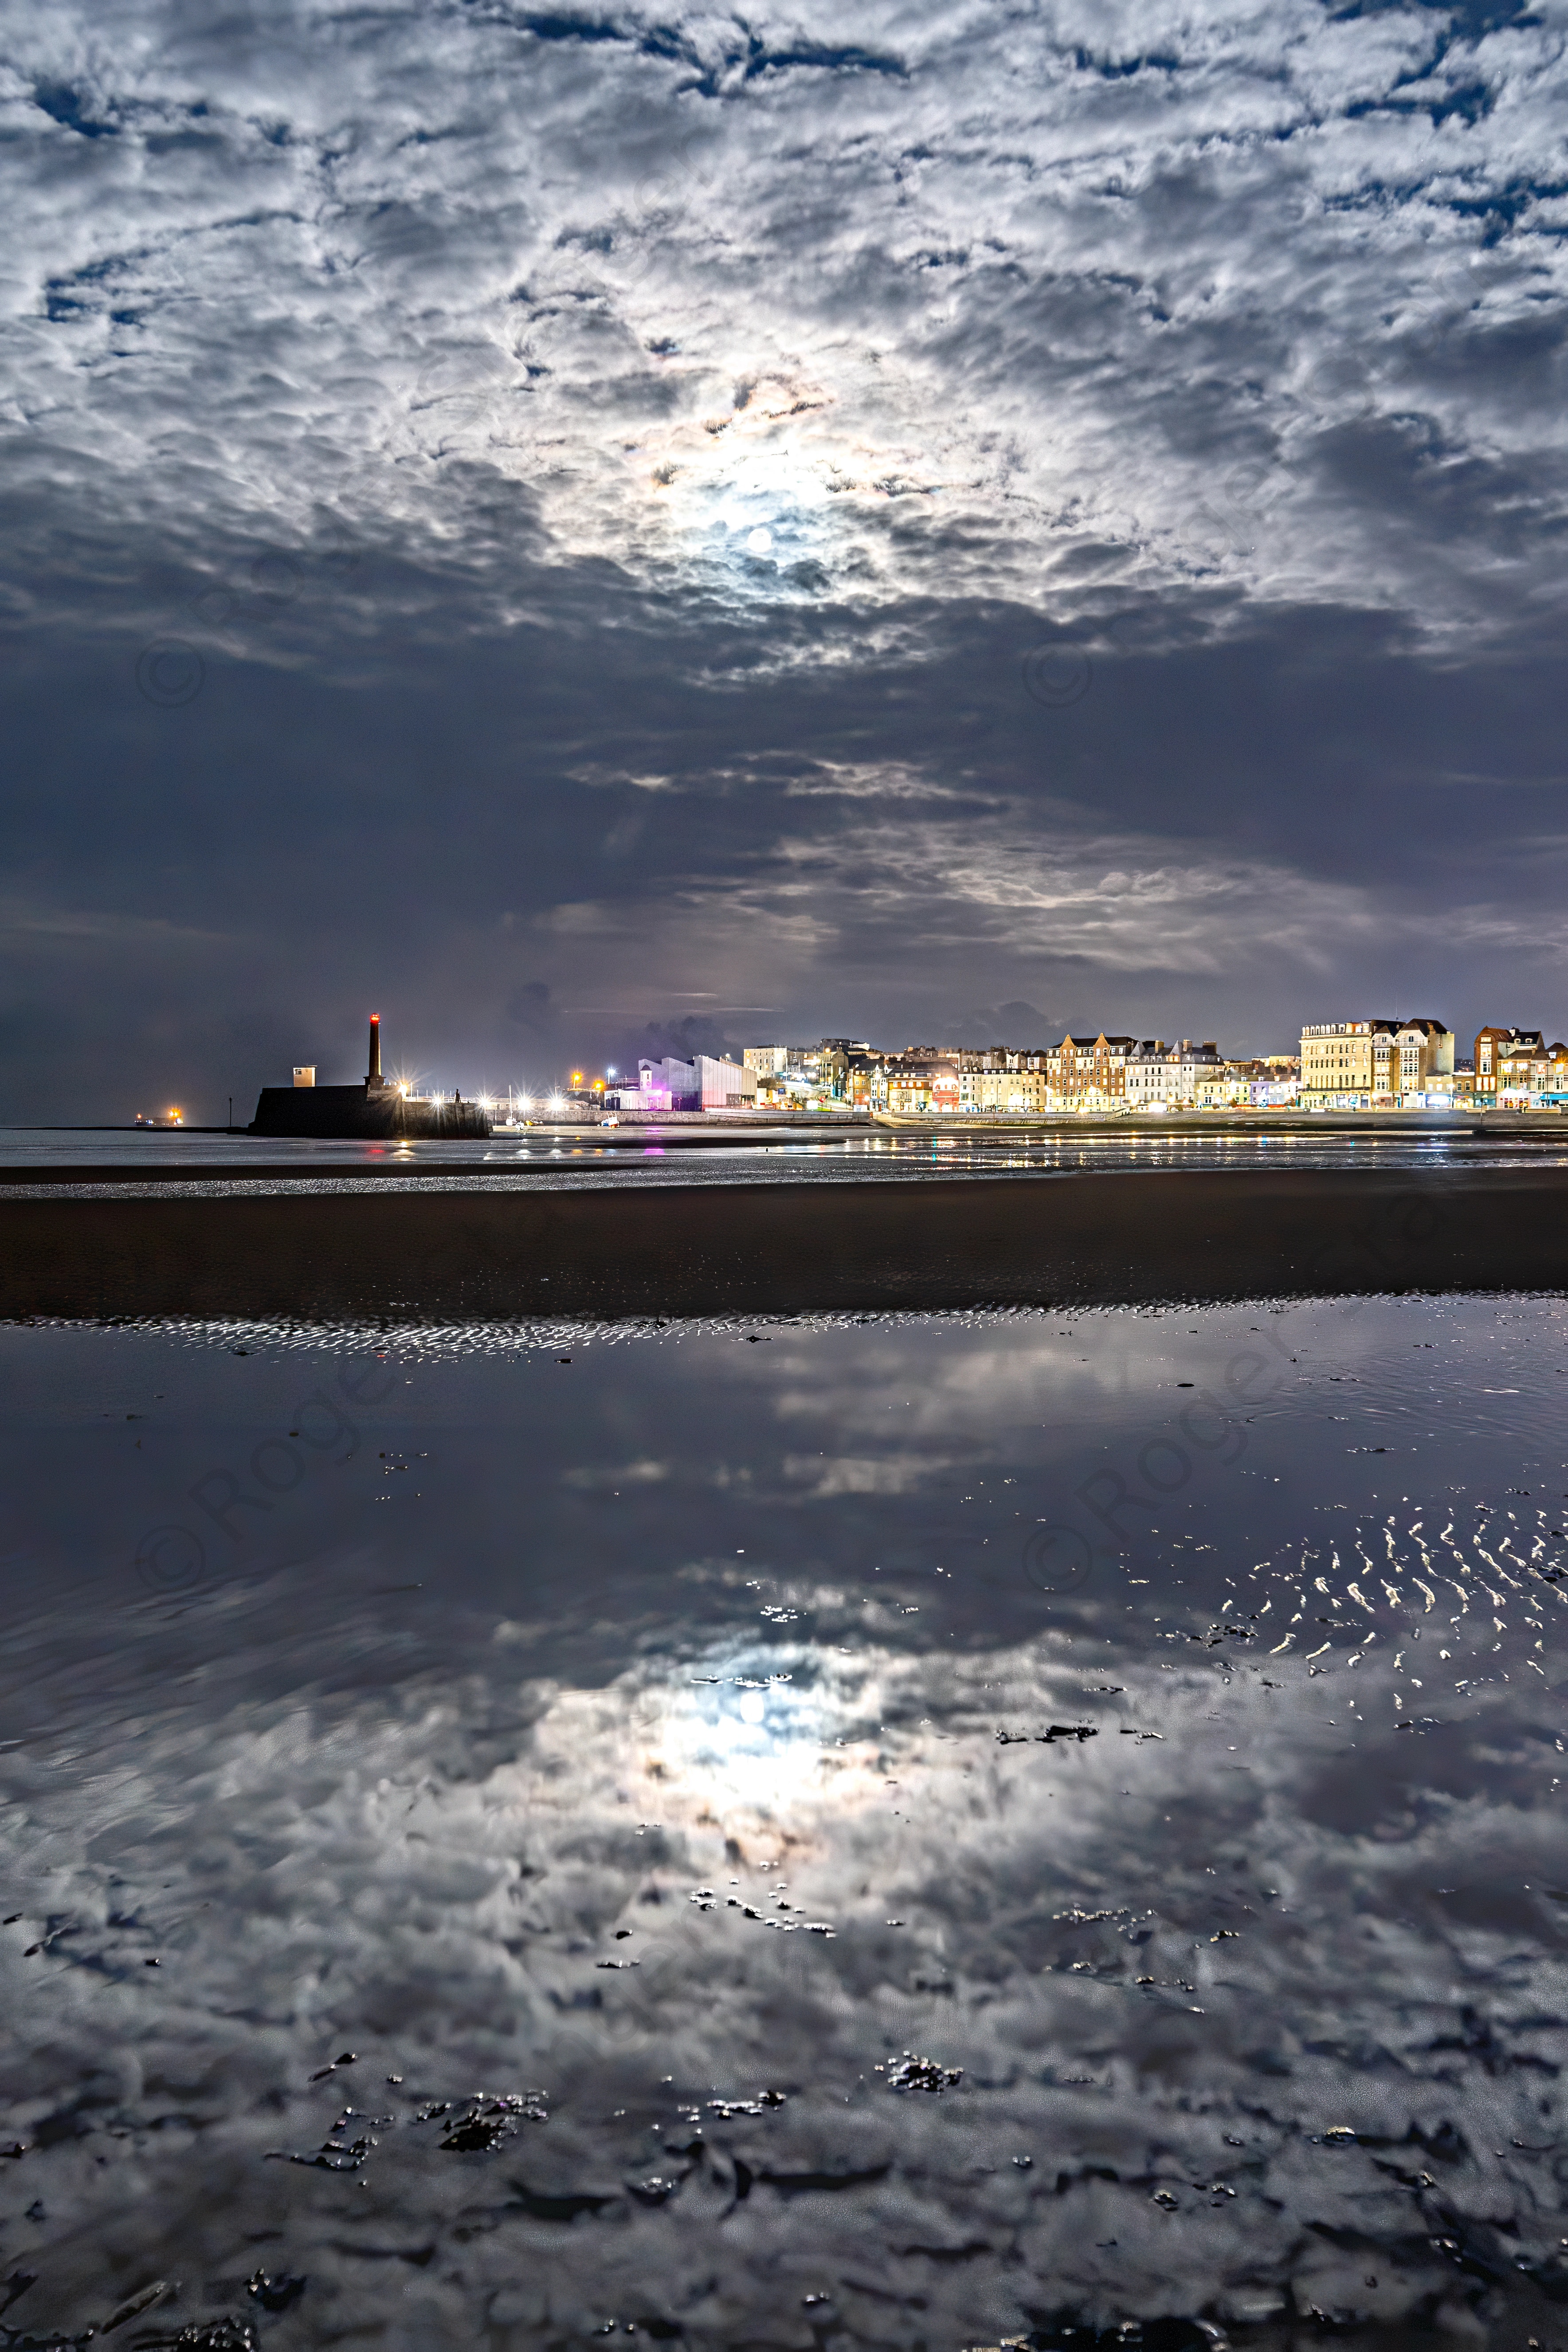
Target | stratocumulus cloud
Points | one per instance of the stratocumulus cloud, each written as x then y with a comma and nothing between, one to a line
1145,418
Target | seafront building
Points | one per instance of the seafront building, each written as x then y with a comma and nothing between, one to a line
1367,1064
1377,1065
998,1077
1089,1073
1275,1080
917,1082
1165,1077
803,1076
1494,1048
1516,1069
705,1083
669,1084
723,1084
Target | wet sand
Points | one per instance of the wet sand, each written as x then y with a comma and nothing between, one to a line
1094,1238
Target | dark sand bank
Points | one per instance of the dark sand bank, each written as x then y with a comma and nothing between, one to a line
1059,1239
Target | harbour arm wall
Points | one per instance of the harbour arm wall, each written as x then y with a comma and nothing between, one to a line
366,1113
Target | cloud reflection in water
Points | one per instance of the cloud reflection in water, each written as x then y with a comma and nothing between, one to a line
1252,1996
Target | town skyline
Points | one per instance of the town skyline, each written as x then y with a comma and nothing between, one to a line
1367,1062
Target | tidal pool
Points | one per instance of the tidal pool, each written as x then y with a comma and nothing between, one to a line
900,1833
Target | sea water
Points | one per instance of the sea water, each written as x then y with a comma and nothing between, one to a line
825,1833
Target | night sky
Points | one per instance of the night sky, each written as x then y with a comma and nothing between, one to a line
942,525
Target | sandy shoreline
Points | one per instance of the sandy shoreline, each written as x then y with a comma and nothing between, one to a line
1053,1240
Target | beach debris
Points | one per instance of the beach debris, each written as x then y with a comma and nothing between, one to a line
1080,1731
226,2334
134,2305
273,2294
912,2073
348,2058
489,2118
335,2154
725,2109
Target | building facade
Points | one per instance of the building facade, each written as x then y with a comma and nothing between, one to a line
786,1078
1166,1077
1502,1058
1278,1082
723,1084
918,1082
1089,1074
1004,1078
1516,1069
1426,1072
668,1084
1376,1065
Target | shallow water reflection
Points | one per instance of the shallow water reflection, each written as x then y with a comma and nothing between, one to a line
795,1834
